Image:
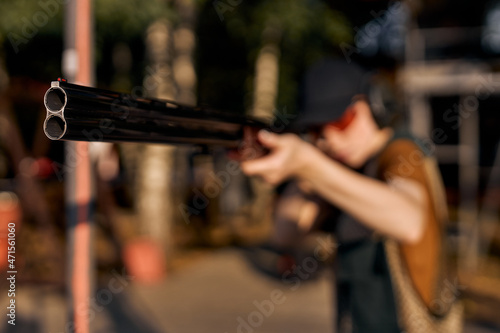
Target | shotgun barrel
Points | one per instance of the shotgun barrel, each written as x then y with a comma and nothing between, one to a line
82,113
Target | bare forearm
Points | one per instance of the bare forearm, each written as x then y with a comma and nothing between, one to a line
397,211
373,202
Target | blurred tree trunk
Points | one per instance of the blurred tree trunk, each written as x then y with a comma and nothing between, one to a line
184,46
264,103
267,75
171,75
154,196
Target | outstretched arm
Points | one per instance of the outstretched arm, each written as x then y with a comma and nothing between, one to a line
395,209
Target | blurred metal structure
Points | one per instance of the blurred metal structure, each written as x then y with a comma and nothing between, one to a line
472,82
78,67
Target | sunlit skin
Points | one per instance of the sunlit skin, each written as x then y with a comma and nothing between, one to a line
355,144
396,210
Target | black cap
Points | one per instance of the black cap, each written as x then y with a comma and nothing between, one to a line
328,89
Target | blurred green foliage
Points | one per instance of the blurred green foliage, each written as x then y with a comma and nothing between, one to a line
125,22
310,31
18,16
304,30
120,19
31,32
124,19
302,23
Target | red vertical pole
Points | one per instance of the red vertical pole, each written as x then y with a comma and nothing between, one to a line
78,67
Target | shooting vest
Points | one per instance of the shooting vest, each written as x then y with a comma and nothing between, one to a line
384,286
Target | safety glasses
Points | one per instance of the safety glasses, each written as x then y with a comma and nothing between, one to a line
344,121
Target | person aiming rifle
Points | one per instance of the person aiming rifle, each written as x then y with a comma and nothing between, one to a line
390,260
379,181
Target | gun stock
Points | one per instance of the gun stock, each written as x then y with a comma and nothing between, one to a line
82,113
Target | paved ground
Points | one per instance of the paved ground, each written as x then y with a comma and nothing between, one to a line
219,293
216,294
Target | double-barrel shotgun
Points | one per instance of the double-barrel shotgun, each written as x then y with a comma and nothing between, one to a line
81,113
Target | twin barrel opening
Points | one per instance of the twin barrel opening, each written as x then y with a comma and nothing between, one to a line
55,101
